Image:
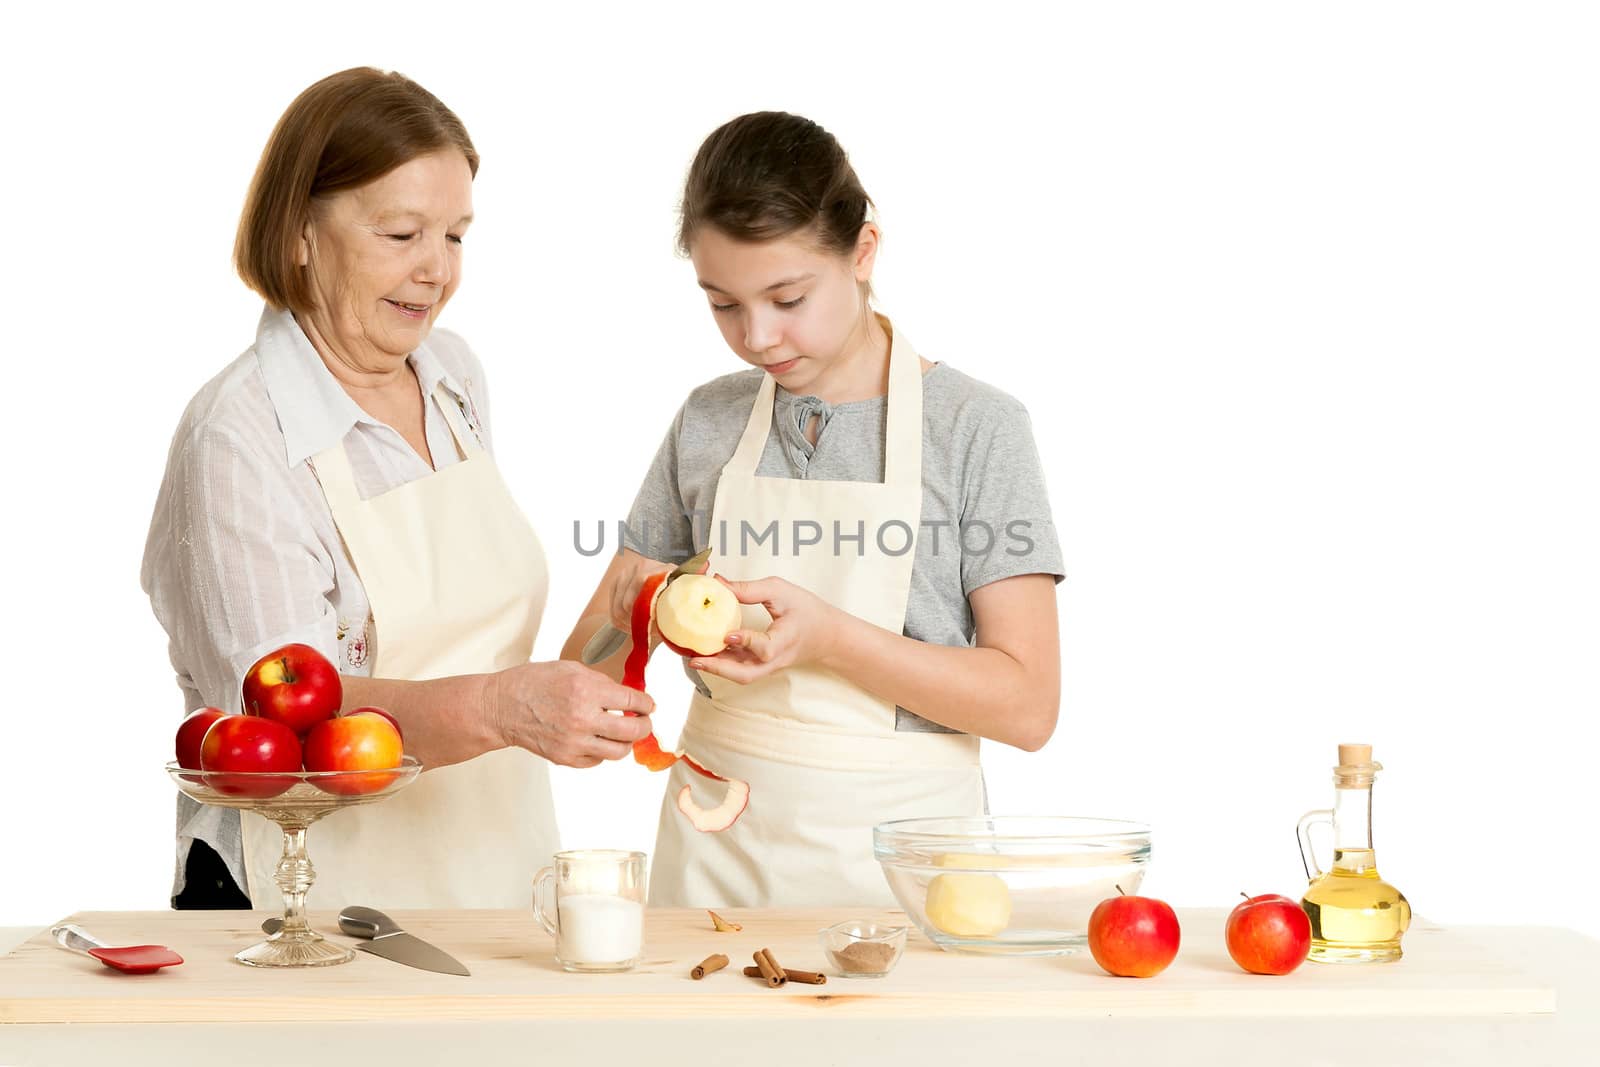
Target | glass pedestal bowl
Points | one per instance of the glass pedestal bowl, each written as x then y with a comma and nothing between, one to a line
294,800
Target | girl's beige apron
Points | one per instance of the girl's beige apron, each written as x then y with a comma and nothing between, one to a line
457,583
821,755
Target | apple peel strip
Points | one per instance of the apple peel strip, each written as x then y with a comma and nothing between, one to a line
648,751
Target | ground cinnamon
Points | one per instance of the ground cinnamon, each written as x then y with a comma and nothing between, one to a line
865,957
709,965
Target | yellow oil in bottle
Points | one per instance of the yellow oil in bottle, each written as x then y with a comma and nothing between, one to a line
1356,917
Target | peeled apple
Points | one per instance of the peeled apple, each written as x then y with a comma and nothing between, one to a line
969,905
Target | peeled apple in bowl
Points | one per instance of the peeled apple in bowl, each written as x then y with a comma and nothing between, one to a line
694,613
969,905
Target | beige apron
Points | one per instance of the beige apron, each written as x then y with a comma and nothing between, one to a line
821,755
457,583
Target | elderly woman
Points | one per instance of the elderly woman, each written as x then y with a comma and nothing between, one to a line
335,485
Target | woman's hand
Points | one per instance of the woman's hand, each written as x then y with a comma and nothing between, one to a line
565,712
804,627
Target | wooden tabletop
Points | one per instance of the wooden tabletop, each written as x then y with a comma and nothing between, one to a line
1448,980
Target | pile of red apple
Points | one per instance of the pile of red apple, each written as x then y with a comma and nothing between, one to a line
1137,937
291,722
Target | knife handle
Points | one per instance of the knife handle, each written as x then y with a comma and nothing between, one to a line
366,922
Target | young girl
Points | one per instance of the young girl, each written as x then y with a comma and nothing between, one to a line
883,517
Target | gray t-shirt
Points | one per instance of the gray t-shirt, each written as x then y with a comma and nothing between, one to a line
985,512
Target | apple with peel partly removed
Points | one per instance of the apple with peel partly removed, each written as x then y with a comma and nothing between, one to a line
647,750
694,613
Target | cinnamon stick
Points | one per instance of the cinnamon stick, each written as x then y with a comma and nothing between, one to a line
801,977
709,965
805,977
769,969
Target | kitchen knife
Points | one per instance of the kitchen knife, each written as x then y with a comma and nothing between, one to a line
382,936
608,638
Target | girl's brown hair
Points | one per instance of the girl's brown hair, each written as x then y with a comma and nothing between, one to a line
771,174
348,129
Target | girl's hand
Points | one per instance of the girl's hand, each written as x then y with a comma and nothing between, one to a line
804,629
634,569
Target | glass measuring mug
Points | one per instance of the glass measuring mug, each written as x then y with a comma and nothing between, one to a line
598,914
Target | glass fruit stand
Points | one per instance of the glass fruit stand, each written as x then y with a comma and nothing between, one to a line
294,800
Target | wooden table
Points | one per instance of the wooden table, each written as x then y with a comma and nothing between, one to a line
1468,995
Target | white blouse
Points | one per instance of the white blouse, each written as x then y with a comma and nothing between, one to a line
243,555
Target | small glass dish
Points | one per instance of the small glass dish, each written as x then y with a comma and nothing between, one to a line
862,948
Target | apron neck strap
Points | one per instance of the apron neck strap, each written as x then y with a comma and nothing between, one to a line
902,433
748,455
902,448
466,441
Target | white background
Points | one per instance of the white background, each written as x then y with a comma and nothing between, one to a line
1302,300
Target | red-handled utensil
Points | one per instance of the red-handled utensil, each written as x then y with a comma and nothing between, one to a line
134,959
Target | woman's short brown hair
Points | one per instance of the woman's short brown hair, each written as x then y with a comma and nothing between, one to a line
348,129
769,175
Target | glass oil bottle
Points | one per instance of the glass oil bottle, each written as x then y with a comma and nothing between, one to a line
1356,917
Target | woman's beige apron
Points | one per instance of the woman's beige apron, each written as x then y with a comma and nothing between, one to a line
821,755
457,583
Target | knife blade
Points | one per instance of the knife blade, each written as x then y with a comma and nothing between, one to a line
606,640
382,936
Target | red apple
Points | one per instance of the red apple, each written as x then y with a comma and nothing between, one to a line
295,685
353,743
379,711
1133,937
253,745
191,732
1269,934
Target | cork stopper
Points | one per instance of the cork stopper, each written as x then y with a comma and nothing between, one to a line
1355,753
1356,768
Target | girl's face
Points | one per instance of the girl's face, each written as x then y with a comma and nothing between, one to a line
786,305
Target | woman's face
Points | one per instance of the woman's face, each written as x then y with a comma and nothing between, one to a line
385,258
785,305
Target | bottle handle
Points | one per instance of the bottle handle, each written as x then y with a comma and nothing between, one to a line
544,878
1308,857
